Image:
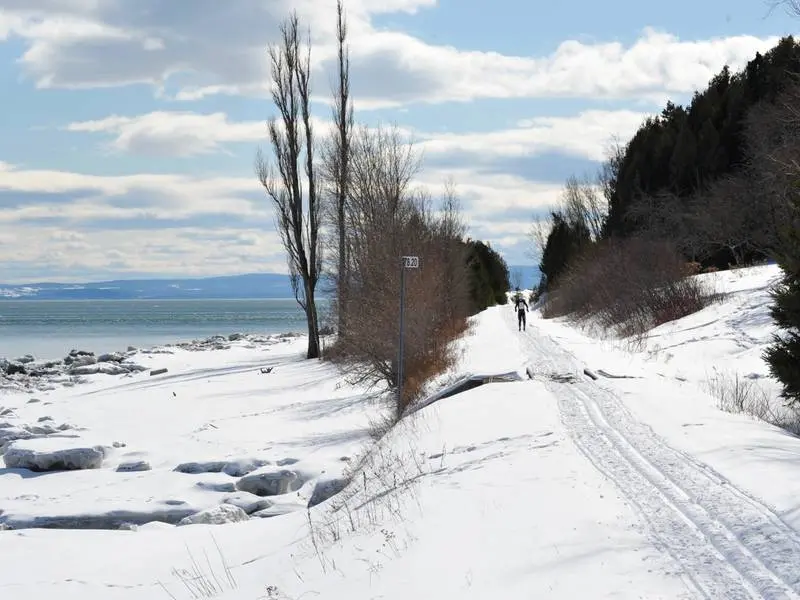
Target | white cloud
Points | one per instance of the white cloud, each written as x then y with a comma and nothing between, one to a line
496,197
174,224
167,224
219,48
173,133
656,63
182,252
181,133
132,196
163,133
585,135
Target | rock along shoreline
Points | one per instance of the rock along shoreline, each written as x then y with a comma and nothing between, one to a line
28,374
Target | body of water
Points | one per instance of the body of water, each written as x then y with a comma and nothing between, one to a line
49,329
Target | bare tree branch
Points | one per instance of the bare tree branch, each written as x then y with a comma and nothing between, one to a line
791,6
538,234
386,217
336,163
290,133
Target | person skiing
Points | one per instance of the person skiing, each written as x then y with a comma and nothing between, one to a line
521,307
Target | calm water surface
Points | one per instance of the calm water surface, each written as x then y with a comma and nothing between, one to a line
50,328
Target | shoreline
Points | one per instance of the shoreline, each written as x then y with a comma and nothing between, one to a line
28,373
230,432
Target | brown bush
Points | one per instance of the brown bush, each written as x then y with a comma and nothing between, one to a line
693,268
435,310
387,220
629,286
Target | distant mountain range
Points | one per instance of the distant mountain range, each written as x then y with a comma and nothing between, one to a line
253,285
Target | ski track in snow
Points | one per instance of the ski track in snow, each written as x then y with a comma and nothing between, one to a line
728,543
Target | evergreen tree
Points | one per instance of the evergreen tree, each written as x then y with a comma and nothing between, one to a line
783,356
564,244
683,162
489,279
682,152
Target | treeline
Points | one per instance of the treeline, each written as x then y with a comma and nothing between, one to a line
707,186
706,176
347,210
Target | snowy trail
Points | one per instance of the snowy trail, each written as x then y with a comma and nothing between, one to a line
729,544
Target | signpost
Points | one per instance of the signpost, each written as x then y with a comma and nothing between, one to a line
407,262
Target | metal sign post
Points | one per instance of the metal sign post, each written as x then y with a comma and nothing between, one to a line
407,262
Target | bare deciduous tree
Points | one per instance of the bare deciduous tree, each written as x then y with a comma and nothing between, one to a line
537,236
451,230
791,6
723,218
292,140
772,131
666,216
388,218
609,170
336,162
582,202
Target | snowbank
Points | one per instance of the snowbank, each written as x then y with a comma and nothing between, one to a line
144,448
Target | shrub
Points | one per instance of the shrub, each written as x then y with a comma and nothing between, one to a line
436,301
693,268
629,286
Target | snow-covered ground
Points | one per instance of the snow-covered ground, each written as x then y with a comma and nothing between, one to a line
630,485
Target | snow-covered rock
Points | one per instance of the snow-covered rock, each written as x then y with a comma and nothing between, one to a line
106,368
242,467
80,360
28,374
219,515
276,510
216,486
28,454
325,488
195,468
234,468
12,434
15,368
248,502
133,466
114,519
270,483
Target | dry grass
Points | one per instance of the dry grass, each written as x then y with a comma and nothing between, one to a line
203,578
741,395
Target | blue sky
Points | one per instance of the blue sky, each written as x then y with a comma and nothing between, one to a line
129,127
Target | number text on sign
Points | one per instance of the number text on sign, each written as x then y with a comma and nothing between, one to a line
411,262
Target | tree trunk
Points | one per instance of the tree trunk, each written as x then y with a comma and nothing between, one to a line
342,272
313,324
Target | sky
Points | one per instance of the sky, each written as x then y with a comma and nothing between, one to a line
129,128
